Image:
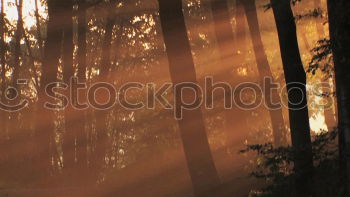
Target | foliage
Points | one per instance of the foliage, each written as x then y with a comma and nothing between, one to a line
317,12
322,58
269,5
275,167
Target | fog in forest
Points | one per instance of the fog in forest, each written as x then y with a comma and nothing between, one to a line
80,50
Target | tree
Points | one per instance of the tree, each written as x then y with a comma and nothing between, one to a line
18,38
338,12
3,114
105,67
240,33
68,145
195,142
14,133
82,69
45,118
328,112
295,77
264,69
38,29
228,59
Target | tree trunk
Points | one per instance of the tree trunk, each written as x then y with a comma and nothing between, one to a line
227,44
68,145
195,142
264,69
82,68
339,12
3,114
45,117
18,37
15,135
296,86
101,117
235,126
241,34
38,28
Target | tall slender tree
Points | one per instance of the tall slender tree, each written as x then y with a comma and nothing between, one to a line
228,59
3,114
195,142
339,17
2,47
297,101
68,145
14,134
45,117
18,38
101,120
38,28
82,69
264,69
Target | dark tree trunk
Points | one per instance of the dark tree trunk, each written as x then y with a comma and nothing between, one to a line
296,86
2,50
16,66
20,133
195,142
14,129
68,145
339,23
45,117
264,69
18,37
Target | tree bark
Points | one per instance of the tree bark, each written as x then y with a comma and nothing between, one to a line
15,135
3,114
339,12
68,145
18,37
195,142
276,115
101,117
296,86
82,69
45,117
